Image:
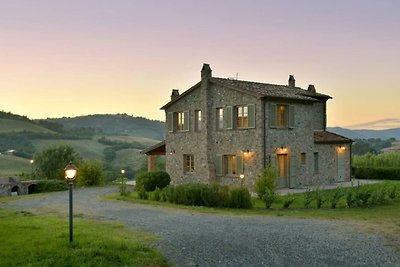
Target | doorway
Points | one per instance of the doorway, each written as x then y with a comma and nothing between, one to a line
340,167
283,170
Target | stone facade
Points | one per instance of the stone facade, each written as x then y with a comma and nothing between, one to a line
233,154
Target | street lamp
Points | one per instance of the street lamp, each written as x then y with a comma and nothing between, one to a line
241,179
32,161
70,174
123,172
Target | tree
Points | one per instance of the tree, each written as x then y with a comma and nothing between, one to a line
91,173
50,163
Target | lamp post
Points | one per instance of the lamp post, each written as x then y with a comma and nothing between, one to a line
70,174
32,161
241,179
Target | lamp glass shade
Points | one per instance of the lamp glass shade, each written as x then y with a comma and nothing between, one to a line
70,171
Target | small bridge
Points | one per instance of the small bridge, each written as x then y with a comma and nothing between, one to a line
13,186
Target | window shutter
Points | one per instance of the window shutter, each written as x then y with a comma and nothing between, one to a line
272,163
291,116
218,165
293,172
186,121
229,117
272,115
239,164
170,121
252,116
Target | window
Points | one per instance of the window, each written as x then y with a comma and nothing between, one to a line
316,159
178,121
303,158
188,161
197,115
228,165
220,118
281,116
242,117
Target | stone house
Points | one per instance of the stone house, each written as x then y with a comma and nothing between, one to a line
227,131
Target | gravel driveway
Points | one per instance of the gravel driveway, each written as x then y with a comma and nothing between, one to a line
198,239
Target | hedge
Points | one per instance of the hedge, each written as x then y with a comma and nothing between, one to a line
382,173
44,186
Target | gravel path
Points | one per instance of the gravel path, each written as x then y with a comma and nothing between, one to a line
197,239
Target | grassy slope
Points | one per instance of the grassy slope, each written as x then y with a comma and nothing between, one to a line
129,157
12,165
395,148
7,126
31,240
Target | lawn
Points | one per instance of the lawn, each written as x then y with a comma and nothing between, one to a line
36,240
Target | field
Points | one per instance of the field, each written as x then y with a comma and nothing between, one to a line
33,240
12,165
8,126
395,148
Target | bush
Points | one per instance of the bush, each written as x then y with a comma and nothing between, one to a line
386,173
90,173
269,198
267,179
288,200
308,198
50,186
240,198
335,197
350,199
319,199
149,181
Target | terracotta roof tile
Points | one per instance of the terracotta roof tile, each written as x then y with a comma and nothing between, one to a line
325,137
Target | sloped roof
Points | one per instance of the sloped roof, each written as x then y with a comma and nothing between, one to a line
269,90
157,149
325,137
259,90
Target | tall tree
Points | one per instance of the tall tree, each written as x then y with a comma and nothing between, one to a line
50,162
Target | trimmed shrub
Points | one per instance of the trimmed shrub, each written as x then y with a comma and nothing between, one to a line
269,198
308,198
335,197
44,186
149,181
267,179
240,198
319,199
385,173
350,199
288,200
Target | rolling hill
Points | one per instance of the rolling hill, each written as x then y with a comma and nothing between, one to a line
15,126
119,124
367,134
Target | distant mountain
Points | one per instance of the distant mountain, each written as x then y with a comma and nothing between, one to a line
366,134
118,124
383,124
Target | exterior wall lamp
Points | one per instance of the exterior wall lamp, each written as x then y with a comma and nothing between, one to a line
70,173
241,176
172,152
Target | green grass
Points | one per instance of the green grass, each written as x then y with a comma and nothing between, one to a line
12,165
9,126
129,157
33,240
129,138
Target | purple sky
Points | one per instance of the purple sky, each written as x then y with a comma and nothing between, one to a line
68,58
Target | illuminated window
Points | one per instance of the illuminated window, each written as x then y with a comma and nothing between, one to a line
242,117
188,163
220,118
281,116
180,121
230,165
197,118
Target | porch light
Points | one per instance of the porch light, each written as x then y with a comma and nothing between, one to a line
343,148
172,152
241,176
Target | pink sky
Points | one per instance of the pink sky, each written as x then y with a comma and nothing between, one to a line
77,57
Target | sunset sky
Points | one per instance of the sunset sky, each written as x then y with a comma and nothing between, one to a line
78,57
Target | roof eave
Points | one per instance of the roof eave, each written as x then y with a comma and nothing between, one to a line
181,96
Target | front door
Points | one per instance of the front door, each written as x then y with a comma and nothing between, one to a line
340,167
283,170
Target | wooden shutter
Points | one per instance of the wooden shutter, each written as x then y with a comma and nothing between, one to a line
218,165
170,121
229,117
239,165
272,115
252,116
291,116
293,172
186,121
272,162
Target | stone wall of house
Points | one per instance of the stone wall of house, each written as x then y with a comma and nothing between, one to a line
236,141
180,143
319,115
328,163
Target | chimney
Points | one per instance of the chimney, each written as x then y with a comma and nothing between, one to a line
292,81
175,94
205,72
311,88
